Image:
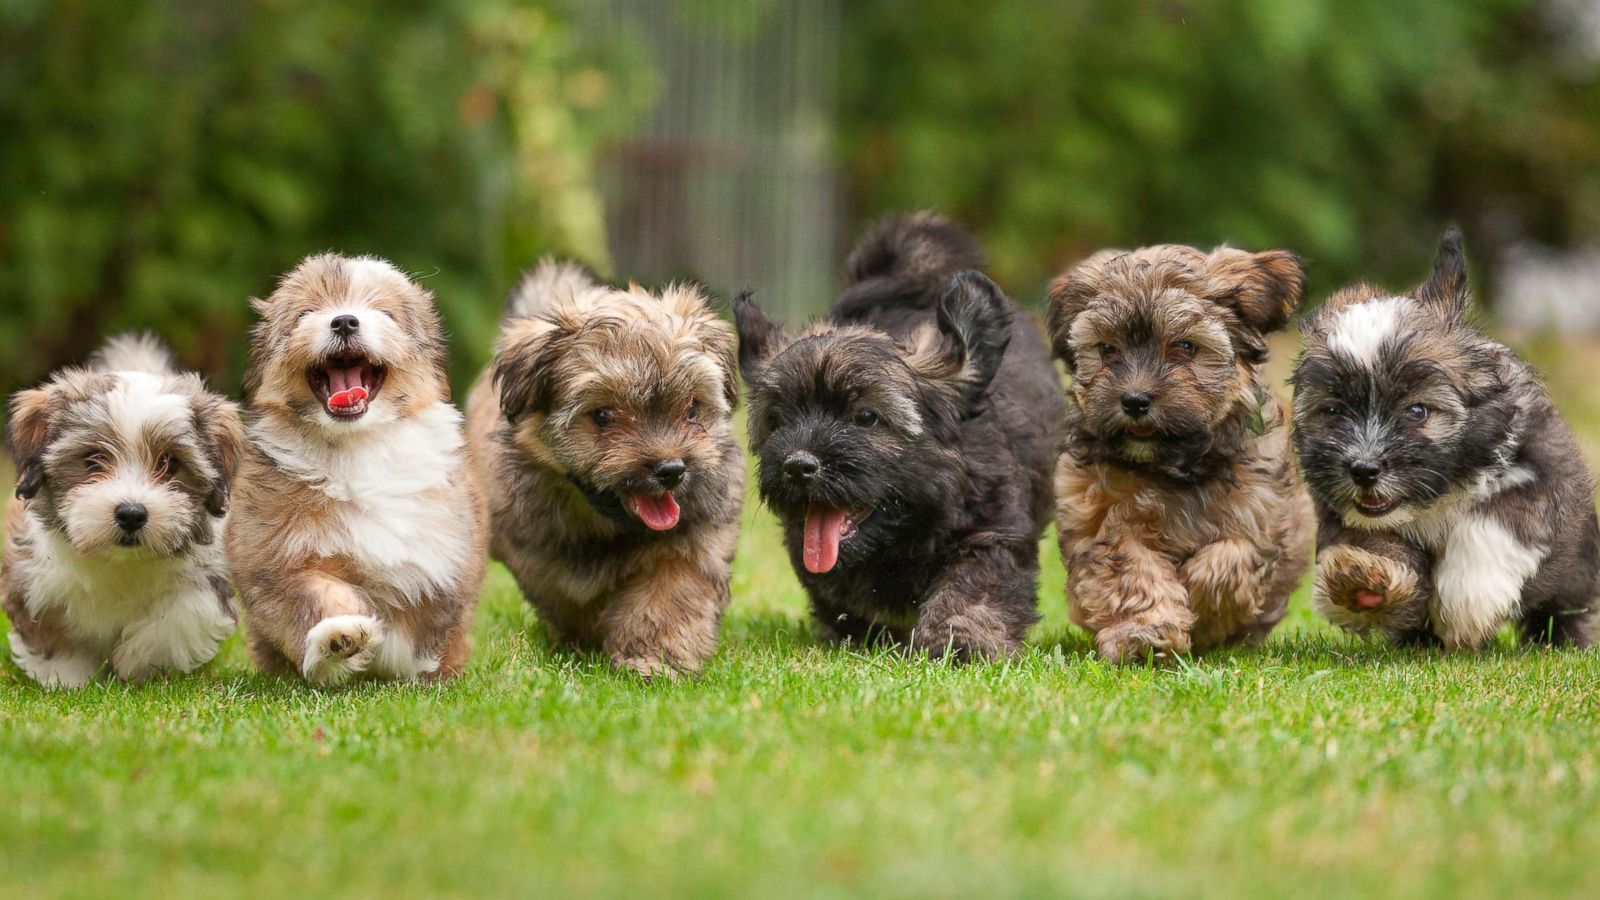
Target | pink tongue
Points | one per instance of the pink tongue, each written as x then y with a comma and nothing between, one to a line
1368,599
657,513
824,528
347,398
341,380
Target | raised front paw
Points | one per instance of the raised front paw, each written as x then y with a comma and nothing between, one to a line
1362,581
339,647
1363,591
1142,639
1224,577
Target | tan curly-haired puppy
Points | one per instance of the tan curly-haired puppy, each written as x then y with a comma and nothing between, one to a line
358,532
606,429
1182,518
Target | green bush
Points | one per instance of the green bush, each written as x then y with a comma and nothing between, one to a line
1349,130
165,161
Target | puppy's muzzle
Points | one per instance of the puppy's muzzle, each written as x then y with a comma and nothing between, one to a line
345,326
1366,472
669,473
801,468
131,518
1136,404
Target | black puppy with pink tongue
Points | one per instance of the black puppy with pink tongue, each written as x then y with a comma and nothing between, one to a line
906,443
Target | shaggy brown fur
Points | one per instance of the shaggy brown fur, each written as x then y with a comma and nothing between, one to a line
1452,496
357,539
1181,516
606,428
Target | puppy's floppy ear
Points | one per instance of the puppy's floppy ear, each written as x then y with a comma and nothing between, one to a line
760,336
224,429
1070,294
523,366
974,322
723,346
1446,289
27,434
1263,290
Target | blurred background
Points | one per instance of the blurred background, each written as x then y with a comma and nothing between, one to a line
161,162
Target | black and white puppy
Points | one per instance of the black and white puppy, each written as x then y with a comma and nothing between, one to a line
906,443
113,551
1452,496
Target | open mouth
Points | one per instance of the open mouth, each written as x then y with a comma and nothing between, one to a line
1141,430
129,541
1375,509
826,528
346,385
658,512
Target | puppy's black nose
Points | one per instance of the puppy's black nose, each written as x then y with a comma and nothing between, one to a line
131,517
344,326
800,467
669,472
1366,472
1136,404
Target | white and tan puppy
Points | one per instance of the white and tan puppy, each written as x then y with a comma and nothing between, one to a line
112,553
358,535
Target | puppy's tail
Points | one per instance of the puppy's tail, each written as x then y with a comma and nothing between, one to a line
551,281
918,246
134,351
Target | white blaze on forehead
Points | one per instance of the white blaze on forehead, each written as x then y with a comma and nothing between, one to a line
141,402
368,277
1358,331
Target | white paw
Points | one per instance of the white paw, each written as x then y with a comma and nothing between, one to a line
339,647
64,670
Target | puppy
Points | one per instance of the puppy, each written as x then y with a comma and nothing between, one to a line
111,548
606,425
1181,515
1451,495
905,443
357,539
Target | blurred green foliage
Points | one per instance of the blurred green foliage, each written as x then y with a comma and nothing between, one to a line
1347,129
164,161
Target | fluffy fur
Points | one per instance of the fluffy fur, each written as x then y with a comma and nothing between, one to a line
1452,496
1182,519
606,426
358,535
905,443
111,553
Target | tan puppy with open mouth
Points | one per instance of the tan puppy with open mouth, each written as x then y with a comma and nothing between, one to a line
606,426
358,534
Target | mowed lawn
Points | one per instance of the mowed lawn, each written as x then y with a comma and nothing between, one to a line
1317,766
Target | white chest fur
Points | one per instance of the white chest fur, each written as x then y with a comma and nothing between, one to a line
395,508
100,597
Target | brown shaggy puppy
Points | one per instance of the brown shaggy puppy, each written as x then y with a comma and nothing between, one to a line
357,539
1452,496
1181,515
606,427
111,551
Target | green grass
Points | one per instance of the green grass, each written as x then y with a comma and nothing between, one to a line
1315,766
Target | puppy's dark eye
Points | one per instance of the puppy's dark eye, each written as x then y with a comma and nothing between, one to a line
1107,351
96,463
1332,409
865,418
1416,413
694,411
1184,349
604,417
167,466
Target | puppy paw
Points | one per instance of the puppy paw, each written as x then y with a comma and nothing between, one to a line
968,635
1223,577
339,647
1361,581
647,666
1137,640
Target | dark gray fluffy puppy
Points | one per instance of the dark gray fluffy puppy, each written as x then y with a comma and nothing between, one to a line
1452,497
906,444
